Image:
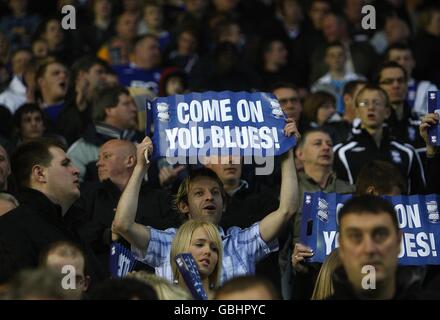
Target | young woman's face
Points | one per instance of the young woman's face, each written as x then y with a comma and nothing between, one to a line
325,112
204,251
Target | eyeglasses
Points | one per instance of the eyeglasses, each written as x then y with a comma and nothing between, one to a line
367,103
290,99
390,81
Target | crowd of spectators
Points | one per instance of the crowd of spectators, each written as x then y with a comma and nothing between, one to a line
73,120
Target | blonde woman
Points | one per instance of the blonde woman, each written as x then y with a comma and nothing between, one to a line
324,284
201,239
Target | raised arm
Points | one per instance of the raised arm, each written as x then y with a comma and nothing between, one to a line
273,223
432,153
124,222
429,120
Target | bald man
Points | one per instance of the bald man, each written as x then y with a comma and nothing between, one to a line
116,161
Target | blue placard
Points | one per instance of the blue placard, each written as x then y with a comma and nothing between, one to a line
219,123
121,260
190,273
418,217
434,107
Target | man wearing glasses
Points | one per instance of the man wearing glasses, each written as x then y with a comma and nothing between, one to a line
289,98
393,79
374,142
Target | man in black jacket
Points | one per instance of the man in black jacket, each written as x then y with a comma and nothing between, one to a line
373,142
369,245
49,186
392,78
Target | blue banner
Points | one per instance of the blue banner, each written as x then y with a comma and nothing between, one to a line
121,260
418,217
190,273
434,107
219,123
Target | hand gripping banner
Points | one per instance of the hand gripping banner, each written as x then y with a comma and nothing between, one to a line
434,107
188,269
121,260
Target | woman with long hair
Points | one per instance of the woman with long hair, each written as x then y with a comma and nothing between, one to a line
201,239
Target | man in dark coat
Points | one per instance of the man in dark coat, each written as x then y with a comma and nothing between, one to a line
49,186
369,245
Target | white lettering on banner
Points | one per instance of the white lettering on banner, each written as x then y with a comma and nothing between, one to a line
219,110
254,137
417,245
181,108
225,109
249,111
205,111
413,245
410,245
227,137
217,137
172,136
184,138
266,139
123,265
329,238
197,137
195,111
338,207
408,216
211,110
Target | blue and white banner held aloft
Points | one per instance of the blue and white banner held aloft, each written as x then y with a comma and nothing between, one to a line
219,123
418,218
434,107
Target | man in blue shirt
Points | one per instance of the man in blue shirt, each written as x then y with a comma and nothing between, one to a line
201,196
52,82
144,71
